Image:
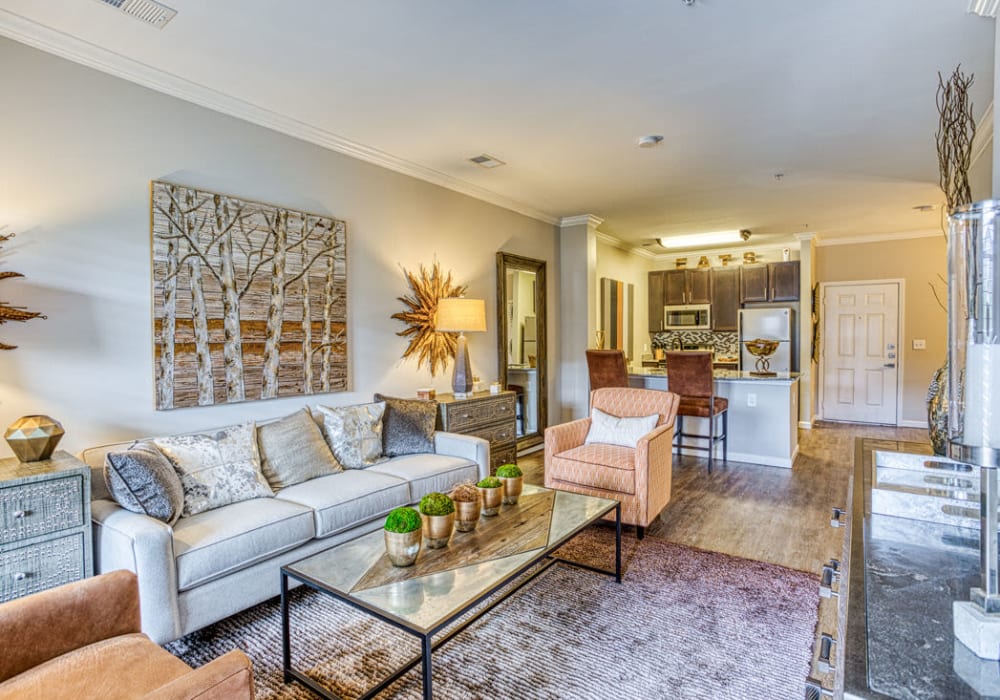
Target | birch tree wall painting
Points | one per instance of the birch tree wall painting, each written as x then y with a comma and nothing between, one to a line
249,299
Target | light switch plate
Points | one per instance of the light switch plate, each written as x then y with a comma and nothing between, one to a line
919,344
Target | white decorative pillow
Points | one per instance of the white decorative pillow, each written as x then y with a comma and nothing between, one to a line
612,430
216,469
354,433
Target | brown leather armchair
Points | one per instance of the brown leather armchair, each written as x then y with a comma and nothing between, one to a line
638,477
82,640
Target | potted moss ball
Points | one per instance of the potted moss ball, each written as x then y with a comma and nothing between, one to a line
468,506
513,481
491,489
438,513
402,536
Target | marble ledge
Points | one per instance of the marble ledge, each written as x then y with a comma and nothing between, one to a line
731,375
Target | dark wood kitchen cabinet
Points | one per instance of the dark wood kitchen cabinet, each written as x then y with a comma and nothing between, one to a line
656,303
778,281
725,298
687,287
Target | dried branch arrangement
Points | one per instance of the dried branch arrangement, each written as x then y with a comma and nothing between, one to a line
954,135
8,312
426,343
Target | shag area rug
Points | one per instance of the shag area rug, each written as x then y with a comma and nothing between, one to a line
684,623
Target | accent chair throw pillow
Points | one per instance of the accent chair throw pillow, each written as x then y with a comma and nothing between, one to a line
354,433
216,469
142,480
407,426
292,450
612,430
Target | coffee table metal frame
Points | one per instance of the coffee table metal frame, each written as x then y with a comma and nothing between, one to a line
427,644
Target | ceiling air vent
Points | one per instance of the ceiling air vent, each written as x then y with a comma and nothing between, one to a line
145,10
986,8
487,161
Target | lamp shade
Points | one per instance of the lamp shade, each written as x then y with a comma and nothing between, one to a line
455,315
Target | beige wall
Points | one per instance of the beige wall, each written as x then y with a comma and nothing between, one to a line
79,149
615,263
919,261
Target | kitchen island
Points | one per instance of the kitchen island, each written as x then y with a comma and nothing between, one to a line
763,414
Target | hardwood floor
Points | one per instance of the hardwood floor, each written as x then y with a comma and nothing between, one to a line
771,514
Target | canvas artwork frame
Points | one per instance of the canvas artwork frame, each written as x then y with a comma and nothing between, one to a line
249,299
616,307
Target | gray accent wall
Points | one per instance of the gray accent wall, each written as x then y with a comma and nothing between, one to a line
79,150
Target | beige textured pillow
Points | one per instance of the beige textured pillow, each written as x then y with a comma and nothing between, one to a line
292,450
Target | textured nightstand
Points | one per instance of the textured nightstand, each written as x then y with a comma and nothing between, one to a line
485,415
45,535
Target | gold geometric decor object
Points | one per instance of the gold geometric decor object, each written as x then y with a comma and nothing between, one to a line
249,299
426,343
33,438
8,312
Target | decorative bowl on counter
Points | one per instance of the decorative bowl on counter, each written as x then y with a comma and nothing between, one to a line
762,350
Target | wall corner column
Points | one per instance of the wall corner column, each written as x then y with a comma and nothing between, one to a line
577,312
807,378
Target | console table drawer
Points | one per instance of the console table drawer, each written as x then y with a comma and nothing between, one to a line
43,565
463,415
40,507
495,434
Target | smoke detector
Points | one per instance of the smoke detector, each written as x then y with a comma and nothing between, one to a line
650,141
487,161
146,11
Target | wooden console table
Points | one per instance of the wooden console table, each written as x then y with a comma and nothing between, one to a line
485,415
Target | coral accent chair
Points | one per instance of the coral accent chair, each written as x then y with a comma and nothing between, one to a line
82,641
638,477
606,368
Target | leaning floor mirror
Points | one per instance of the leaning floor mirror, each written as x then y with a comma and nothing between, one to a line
521,342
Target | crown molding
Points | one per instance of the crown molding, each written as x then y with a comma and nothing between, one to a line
878,238
31,33
982,142
618,243
580,220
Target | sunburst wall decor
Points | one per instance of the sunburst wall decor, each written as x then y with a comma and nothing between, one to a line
425,343
8,312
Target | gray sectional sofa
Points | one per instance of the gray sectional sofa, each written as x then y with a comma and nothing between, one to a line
216,563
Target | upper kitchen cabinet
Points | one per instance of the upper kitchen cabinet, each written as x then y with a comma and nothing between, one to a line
656,300
687,287
778,281
725,298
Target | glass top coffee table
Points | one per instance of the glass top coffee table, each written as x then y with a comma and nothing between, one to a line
446,583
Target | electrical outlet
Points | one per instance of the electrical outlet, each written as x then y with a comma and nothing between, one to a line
751,400
919,344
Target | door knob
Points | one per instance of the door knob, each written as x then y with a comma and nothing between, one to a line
891,365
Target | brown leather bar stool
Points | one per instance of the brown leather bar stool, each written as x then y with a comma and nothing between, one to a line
607,369
689,374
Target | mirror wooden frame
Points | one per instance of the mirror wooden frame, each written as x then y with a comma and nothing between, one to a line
505,262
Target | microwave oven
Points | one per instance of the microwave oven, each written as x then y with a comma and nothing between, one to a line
691,317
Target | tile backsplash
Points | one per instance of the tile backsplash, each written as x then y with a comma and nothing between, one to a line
724,343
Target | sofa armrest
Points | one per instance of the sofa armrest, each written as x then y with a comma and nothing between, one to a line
144,545
654,463
559,438
43,626
469,447
228,677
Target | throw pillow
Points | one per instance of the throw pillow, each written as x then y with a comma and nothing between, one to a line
407,426
354,433
216,469
143,481
292,450
612,430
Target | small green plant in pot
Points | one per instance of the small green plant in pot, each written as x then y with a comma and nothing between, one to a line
513,482
491,489
468,506
402,536
438,513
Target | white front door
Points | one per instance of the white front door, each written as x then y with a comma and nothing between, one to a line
860,352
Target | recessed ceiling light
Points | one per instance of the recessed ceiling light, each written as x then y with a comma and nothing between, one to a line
649,141
487,161
924,207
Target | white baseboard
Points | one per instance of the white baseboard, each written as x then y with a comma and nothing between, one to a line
765,460
805,425
912,424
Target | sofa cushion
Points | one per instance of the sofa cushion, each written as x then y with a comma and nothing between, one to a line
407,426
341,501
216,468
222,540
608,467
292,450
354,433
429,472
128,666
142,480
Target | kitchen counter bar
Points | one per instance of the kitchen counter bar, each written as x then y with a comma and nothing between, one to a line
763,414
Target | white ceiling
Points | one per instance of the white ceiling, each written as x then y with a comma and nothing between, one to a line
837,96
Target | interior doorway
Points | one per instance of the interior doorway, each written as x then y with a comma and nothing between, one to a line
859,365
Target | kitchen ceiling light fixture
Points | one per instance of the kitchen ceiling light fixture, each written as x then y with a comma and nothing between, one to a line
649,141
705,239
986,8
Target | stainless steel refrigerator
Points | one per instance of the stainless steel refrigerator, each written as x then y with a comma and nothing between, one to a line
772,323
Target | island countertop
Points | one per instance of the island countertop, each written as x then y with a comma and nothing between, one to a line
719,374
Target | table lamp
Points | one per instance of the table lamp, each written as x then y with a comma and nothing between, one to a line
458,315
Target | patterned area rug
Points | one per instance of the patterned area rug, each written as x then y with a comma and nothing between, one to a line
684,623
